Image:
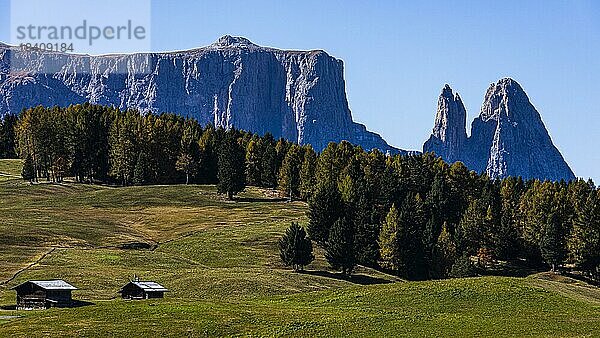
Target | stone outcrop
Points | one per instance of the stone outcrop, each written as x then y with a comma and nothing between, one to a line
298,95
507,139
449,136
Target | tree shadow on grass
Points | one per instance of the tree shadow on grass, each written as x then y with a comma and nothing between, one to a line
354,278
582,278
514,268
74,304
80,303
259,199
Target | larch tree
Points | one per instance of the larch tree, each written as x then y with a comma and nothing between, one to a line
308,180
388,241
141,172
552,242
586,236
123,149
444,254
188,160
253,162
289,173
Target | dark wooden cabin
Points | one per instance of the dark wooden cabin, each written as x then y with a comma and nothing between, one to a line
142,290
44,294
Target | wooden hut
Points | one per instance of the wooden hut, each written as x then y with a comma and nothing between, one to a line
44,294
142,290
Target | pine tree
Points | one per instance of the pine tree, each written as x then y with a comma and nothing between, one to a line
281,149
7,136
461,182
351,181
506,238
28,172
400,239
253,162
324,208
586,236
444,254
373,168
411,226
269,164
95,141
141,173
209,145
359,210
308,180
438,201
123,154
469,233
438,212
463,268
327,167
545,222
188,160
393,188
187,165
339,248
232,176
367,229
534,206
295,248
367,247
552,244
491,229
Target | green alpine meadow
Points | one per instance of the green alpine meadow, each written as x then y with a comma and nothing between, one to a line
268,168
220,261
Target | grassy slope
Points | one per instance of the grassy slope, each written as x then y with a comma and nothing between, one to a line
220,261
10,169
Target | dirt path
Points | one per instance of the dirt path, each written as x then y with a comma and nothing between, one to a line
36,262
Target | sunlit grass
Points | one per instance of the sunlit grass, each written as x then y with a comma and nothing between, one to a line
10,169
220,261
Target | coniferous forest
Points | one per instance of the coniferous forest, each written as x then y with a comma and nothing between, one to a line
415,216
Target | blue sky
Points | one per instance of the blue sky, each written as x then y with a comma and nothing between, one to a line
398,55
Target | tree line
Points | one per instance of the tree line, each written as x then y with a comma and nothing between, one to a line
415,216
7,136
421,218
100,144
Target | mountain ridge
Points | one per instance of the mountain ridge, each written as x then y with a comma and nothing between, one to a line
298,95
508,138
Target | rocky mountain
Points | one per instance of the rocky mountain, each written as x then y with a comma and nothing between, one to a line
298,95
507,139
449,136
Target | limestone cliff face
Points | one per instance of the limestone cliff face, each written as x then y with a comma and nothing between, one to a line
449,136
298,95
507,139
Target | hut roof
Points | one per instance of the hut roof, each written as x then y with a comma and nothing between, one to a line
57,284
149,286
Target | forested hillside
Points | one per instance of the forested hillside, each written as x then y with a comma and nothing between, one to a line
415,216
